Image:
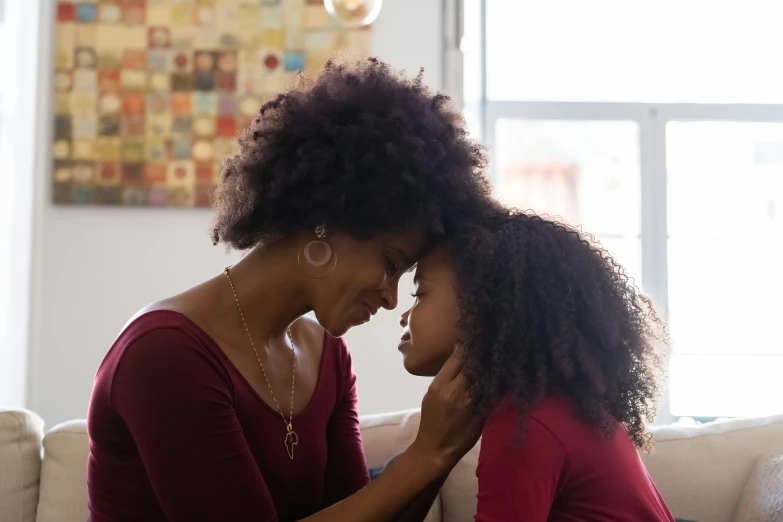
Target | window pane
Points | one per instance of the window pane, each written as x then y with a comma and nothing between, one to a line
725,220
471,51
730,386
725,295
732,172
586,172
650,51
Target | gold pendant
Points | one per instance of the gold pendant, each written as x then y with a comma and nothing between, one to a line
291,440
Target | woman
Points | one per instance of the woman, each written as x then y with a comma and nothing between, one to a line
560,354
225,402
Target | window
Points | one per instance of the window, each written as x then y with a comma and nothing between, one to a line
646,125
20,38
586,172
725,214
657,51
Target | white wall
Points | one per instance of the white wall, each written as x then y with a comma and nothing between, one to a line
94,267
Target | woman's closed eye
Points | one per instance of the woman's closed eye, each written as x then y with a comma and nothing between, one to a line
392,267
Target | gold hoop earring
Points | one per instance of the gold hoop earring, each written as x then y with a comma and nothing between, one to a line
317,258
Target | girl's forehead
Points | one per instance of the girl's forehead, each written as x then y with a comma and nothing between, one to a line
434,261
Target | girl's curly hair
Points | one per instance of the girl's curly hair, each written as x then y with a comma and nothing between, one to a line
545,309
360,148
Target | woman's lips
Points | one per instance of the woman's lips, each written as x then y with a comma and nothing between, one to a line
369,311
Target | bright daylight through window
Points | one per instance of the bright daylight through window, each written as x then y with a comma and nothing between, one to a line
669,150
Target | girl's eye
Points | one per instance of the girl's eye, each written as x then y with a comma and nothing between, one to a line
416,295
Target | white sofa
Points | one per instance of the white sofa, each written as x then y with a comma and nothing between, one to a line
702,472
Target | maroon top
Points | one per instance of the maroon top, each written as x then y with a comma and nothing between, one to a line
561,470
178,434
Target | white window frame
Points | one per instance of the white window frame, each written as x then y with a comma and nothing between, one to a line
652,119
23,173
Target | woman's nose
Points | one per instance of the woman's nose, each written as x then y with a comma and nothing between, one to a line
404,319
389,297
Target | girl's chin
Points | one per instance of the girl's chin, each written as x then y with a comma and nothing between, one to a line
420,368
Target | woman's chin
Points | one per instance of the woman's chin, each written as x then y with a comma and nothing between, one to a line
335,328
338,330
338,327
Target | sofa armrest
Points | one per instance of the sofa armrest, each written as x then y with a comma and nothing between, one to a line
21,433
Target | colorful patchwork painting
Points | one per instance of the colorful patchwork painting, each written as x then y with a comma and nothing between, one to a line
150,95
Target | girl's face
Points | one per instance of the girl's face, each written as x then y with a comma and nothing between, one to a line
431,325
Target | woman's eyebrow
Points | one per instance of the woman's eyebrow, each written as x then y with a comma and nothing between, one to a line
407,259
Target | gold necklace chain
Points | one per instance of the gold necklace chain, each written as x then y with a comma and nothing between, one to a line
291,438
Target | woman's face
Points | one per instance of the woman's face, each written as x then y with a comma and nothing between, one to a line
365,278
431,325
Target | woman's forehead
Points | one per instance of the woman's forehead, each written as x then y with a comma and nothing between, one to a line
410,243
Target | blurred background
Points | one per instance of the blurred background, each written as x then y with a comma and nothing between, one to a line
656,126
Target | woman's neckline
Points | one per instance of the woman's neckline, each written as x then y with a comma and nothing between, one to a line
236,374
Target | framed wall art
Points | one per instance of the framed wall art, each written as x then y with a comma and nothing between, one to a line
150,95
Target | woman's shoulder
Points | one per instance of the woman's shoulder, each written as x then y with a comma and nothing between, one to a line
154,336
159,320
154,349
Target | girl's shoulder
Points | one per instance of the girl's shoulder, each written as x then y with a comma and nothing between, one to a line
554,414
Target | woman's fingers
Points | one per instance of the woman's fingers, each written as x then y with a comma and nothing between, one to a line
448,426
458,388
451,369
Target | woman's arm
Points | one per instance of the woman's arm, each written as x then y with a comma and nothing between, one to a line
402,479
447,431
346,465
346,470
418,510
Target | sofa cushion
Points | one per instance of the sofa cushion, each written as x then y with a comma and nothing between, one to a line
408,429
762,500
381,436
63,495
20,464
458,496
388,434
701,470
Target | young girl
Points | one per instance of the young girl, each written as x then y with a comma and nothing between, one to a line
560,354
